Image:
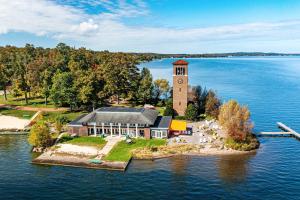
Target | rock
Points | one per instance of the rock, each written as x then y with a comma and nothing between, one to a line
38,149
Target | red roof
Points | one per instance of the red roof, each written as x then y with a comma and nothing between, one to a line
180,62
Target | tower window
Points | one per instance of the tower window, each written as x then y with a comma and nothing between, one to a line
180,70
179,103
179,89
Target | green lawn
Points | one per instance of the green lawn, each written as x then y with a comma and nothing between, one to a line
20,101
51,116
160,110
122,151
88,141
17,113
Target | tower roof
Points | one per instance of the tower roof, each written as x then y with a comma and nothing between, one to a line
180,62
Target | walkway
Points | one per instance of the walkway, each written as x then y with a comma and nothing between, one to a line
111,142
28,108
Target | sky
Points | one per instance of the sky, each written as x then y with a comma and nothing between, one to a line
159,26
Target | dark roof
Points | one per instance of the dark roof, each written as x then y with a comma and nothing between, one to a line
162,122
119,115
77,120
180,62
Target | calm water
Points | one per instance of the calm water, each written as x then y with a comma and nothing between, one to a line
271,89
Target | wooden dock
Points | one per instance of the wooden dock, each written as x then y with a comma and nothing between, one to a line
287,131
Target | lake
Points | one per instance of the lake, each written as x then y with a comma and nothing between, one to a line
270,86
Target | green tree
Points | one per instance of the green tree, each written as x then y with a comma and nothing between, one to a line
199,98
145,86
191,112
169,111
161,89
212,105
120,75
39,135
63,92
6,68
235,119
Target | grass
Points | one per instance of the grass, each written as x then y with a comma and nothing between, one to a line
88,141
160,110
249,144
123,151
51,116
17,113
20,101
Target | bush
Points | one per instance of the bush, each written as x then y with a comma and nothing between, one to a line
191,112
250,143
59,122
39,135
235,120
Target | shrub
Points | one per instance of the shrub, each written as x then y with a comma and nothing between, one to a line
39,135
59,122
235,120
250,143
191,112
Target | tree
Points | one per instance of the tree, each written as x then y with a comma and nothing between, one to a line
191,112
120,75
63,92
212,105
235,119
169,111
199,98
161,89
6,68
145,86
39,135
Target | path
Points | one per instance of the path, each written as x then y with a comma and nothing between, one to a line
28,108
111,142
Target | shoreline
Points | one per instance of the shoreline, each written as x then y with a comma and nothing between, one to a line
48,158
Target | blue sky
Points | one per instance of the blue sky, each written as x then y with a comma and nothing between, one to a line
162,26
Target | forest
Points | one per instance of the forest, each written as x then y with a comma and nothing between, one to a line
77,78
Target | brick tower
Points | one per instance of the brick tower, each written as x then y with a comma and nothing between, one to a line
180,86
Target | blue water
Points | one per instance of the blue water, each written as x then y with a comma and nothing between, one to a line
271,89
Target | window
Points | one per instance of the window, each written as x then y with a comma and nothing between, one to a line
179,103
179,89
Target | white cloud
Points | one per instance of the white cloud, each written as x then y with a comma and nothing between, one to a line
86,27
66,20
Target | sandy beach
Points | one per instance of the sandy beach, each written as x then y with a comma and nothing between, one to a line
12,123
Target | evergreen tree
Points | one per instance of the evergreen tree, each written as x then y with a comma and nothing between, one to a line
169,111
191,112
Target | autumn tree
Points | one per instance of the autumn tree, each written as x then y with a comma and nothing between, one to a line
39,135
212,104
235,120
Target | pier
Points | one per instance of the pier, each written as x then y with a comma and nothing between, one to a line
286,131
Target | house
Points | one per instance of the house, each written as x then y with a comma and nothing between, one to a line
121,121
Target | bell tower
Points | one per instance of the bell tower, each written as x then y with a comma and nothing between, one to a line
180,86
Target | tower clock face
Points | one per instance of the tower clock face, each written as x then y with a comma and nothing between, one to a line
180,81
